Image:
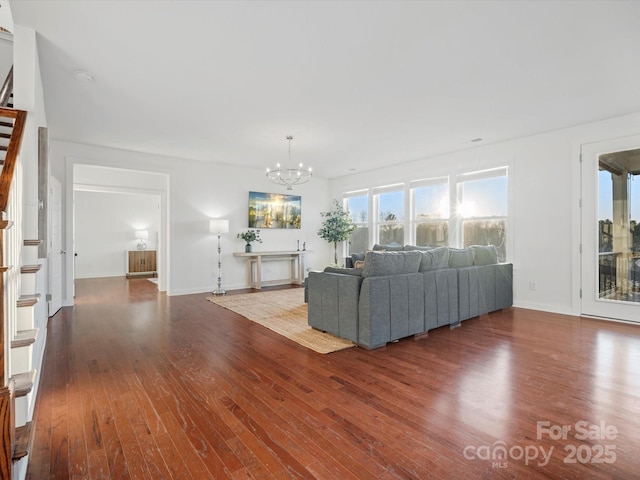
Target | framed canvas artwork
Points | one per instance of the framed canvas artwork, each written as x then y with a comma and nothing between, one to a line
274,210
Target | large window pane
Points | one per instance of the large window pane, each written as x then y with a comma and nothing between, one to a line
433,234
484,198
391,217
431,202
358,207
483,208
431,212
359,240
486,232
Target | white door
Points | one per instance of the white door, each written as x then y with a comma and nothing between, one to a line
56,254
610,230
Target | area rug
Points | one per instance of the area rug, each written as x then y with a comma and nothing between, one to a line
284,312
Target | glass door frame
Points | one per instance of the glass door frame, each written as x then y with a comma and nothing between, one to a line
591,304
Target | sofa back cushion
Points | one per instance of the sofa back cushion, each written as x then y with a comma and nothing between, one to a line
392,247
378,264
484,255
461,257
415,247
434,259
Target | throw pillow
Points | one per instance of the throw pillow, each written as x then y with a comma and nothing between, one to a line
344,271
459,258
377,264
359,264
484,255
356,257
434,259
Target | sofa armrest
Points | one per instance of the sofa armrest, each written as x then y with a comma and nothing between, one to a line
333,303
391,307
484,289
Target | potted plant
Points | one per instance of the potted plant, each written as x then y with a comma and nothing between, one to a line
249,237
337,227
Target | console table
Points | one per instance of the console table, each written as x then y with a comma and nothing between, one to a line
254,266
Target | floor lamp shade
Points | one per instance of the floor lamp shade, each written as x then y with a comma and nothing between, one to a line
219,225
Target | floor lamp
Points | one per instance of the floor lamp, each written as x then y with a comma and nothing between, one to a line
219,226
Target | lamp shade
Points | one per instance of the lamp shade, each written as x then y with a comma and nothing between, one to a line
218,225
142,234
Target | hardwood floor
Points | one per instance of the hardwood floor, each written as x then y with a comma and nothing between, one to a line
139,385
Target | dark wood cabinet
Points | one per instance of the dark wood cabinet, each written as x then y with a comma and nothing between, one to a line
141,262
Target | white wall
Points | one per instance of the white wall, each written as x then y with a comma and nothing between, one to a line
109,220
543,224
198,191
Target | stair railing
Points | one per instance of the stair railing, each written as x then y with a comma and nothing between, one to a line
7,398
7,89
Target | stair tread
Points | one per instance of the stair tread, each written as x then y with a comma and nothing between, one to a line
23,442
24,338
23,383
28,300
4,268
30,268
4,224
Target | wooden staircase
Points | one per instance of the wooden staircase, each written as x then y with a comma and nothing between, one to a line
17,300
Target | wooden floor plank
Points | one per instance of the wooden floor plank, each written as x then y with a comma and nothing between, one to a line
136,384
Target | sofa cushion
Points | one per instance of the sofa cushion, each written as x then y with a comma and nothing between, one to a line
434,259
378,264
344,271
484,255
459,258
392,247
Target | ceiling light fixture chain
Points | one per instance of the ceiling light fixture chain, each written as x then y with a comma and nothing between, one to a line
289,176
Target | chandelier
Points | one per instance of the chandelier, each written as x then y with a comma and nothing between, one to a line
289,176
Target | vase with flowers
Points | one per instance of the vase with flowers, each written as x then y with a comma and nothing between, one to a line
249,237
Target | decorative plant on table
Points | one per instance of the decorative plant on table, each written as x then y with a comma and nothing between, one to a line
337,227
249,237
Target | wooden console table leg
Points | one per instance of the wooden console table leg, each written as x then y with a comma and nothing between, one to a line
259,272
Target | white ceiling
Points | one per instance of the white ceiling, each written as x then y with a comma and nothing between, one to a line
359,84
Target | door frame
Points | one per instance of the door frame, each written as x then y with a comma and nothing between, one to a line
590,305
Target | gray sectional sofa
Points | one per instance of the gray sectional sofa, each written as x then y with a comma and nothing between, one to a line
407,291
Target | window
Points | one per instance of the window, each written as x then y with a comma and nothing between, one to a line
357,203
452,210
389,203
430,212
482,208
